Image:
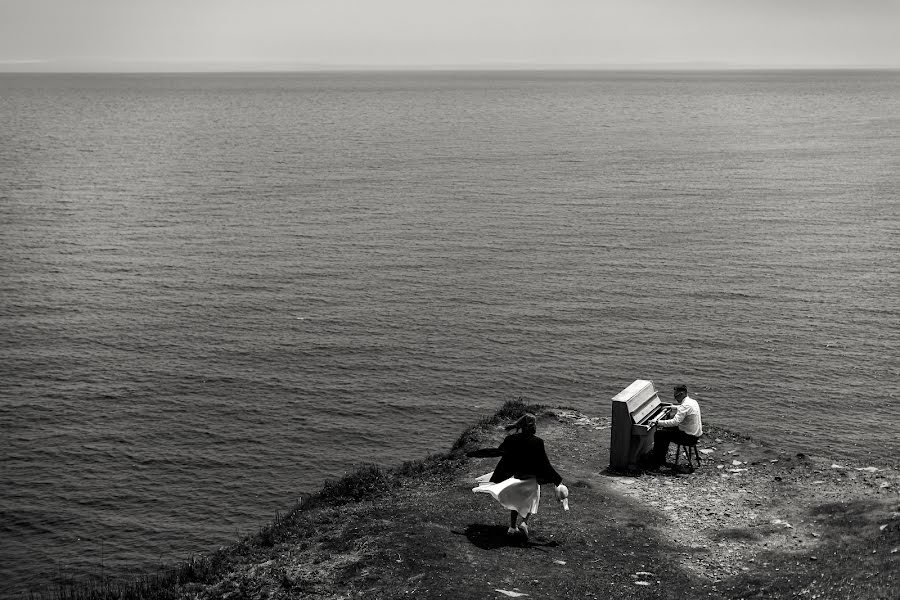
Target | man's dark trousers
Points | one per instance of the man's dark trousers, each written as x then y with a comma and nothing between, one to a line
661,440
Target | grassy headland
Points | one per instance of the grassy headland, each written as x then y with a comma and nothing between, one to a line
749,523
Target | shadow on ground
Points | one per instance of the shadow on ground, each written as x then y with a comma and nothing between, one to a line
491,537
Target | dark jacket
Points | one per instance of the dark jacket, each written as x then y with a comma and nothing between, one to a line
523,457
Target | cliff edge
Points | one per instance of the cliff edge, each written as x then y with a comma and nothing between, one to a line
750,522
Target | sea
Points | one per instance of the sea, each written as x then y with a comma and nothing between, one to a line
219,291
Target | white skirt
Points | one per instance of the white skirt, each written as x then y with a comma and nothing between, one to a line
522,496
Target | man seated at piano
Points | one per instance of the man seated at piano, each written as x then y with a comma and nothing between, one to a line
683,427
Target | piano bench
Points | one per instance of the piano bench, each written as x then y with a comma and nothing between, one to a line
690,452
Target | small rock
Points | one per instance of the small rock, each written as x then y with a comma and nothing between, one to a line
641,583
736,463
560,562
836,466
869,469
785,524
883,527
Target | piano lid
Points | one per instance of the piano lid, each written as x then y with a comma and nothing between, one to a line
641,398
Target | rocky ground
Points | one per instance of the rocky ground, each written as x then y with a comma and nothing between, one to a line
745,500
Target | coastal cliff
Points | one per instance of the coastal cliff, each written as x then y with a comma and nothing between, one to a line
750,522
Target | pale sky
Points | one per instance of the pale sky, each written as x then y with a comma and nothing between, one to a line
192,35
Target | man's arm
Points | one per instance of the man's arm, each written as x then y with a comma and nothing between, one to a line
676,420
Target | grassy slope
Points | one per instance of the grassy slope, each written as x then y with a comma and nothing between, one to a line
419,531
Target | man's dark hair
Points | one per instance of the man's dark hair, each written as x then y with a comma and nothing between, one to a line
680,388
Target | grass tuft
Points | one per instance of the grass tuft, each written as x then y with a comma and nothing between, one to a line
366,482
162,585
513,409
510,411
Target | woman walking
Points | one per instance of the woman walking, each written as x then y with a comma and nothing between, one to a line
522,469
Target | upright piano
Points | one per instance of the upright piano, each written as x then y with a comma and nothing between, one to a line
635,411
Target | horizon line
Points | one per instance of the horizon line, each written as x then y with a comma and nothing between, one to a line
201,69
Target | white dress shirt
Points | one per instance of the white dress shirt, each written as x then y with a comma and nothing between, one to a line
687,419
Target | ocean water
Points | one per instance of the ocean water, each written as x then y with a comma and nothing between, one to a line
218,291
